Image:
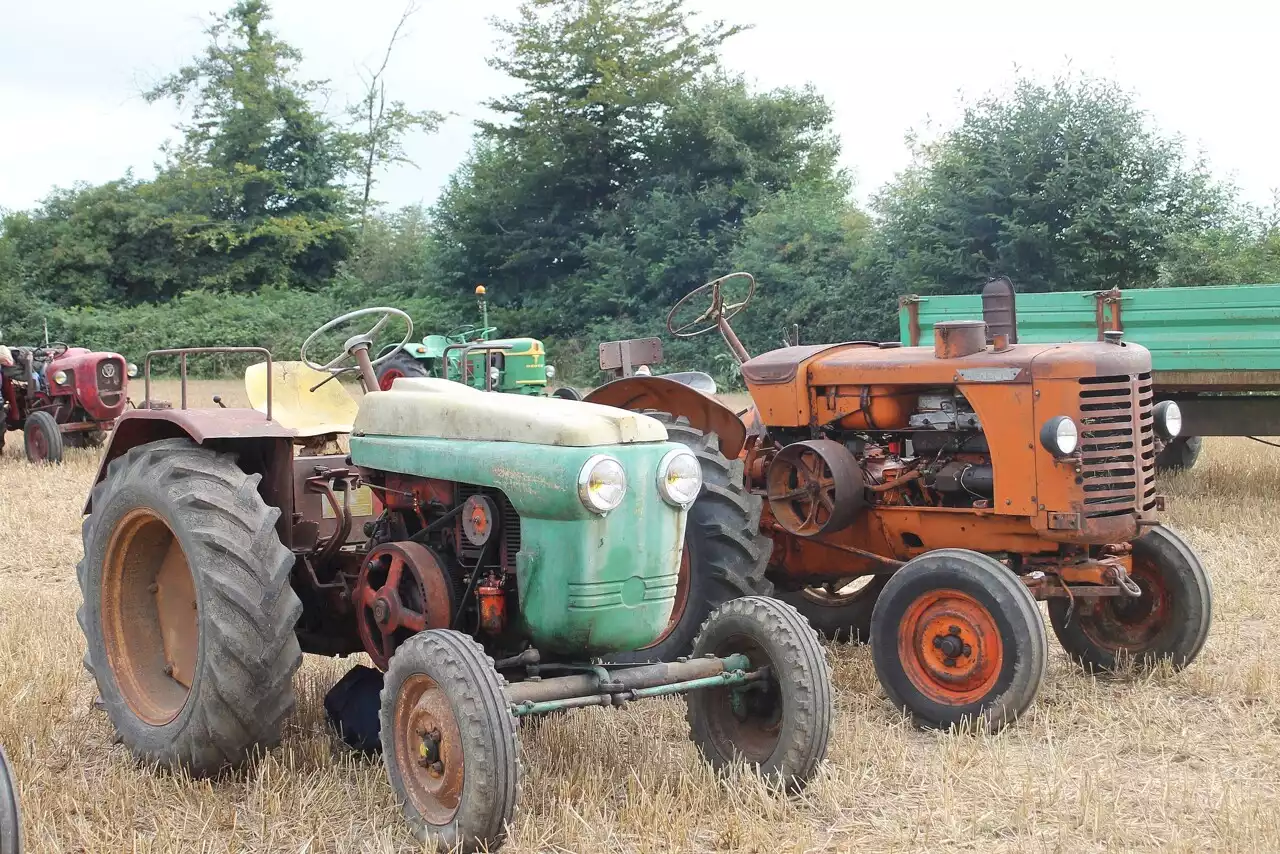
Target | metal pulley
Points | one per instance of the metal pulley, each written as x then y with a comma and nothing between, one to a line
815,487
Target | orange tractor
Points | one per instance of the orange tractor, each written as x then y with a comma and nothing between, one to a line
924,499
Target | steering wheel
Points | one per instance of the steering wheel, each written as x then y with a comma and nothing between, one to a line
57,348
348,349
717,310
470,329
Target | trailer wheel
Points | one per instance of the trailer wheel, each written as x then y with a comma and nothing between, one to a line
188,613
400,365
958,640
449,742
1181,453
42,439
841,610
724,552
780,725
1168,622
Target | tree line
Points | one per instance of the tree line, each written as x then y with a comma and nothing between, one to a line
628,167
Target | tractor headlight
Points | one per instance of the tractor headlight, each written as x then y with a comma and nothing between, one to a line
551,372
131,370
679,478
59,377
1168,418
601,484
1060,436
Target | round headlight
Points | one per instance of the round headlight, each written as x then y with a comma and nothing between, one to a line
1060,436
679,478
551,372
132,370
601,484
59,377
1168,418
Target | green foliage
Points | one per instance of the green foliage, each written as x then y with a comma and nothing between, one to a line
1059,187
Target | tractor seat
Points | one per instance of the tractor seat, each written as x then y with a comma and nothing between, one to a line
328,409
696,380
442,409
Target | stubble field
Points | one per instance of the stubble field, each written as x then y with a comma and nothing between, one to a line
1185,763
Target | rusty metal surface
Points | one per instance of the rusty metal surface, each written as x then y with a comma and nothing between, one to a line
402,590
642,676
950,647
955,339
815,487
662,395
999,310
149,619
623,357
183,352
427,749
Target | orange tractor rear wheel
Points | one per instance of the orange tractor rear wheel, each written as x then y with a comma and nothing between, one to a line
957,639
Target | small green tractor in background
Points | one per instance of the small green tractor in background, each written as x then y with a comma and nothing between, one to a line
468,355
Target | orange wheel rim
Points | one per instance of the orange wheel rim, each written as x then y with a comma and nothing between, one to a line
150,616
950,647
428,749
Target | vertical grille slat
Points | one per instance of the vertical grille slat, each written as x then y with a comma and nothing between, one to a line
1117,448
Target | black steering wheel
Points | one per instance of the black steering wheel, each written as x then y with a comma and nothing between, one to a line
57,348
355,341
716,312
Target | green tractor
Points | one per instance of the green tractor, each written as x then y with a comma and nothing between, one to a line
491,554
468,355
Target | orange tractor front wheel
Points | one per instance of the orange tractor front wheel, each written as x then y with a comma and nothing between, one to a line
957,639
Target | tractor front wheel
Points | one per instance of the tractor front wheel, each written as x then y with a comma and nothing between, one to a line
449,742
780,724
42,439
1168,622
957,639
841,610
400,365
188,613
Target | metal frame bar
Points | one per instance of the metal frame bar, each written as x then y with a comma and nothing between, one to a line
183,352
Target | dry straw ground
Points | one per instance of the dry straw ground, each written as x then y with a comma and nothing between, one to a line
1187,762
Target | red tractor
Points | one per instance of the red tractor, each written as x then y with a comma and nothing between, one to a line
59,395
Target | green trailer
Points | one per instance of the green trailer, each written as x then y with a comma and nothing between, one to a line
1214,350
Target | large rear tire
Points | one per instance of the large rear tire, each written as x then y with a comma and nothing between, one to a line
400,365
449,742
1168,622
958,640
42,439
188,614
10,813
725,553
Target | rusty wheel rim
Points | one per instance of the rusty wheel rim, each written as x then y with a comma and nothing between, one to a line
389,377
950,647
838,594
682,599
1120,623
150,616
428,749
39,445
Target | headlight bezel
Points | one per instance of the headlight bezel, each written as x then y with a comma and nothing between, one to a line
664,485
1165,411
1050,436
585,493
131,370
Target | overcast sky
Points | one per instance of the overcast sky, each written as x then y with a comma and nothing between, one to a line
71,70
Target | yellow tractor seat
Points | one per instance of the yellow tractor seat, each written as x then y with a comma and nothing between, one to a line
328,409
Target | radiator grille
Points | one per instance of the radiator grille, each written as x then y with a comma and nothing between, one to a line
1117,444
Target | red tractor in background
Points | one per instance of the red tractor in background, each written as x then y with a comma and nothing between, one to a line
59,395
